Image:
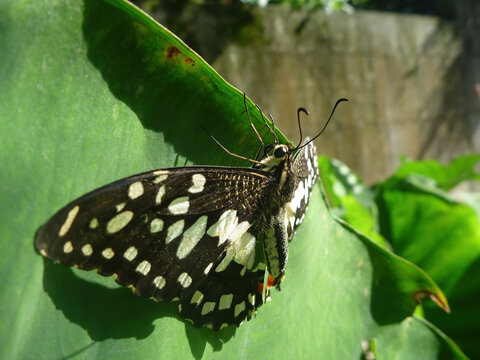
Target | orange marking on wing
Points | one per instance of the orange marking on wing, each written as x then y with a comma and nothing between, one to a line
271,282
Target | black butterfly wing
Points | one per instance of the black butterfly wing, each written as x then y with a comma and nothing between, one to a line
305,168
185,233
225,298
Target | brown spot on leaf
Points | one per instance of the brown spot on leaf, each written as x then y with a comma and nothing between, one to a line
438,299
172,51
189,60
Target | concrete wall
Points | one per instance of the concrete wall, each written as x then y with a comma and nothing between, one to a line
407,79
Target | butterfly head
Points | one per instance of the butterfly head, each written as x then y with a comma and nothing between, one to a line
275,154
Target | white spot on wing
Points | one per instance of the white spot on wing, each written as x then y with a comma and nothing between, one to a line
87,250
241,251
198,183
208,268
184,279
93,223
108,253
156,225
226,260
144,267
225,301
159,196
191,237
179,205
159,282
291,220
135,190
119,221
69,220
208,307
130,253
225,225
243,271
239,231
161,176
251,299
239,308
297,197
197,298
120,206
67,247
245,250
174,230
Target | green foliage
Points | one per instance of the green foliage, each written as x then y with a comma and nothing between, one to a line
420,221
328,5
93,91
309,5
446,177
350,199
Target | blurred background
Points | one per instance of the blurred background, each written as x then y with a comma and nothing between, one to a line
411,70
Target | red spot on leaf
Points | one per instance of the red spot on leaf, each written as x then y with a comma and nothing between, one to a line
172,52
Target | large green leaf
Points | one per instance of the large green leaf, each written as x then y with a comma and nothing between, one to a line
92,92
441,235
426,226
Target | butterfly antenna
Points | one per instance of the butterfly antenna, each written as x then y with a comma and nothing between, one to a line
272,131
324,126
299,110
229,152
273,124
250,120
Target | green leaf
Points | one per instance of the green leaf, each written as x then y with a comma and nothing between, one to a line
424,225
463,324
92,92
414,336
447,176
442,236
350,199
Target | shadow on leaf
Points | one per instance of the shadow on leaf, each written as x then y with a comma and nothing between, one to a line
104,313
117,313
169,88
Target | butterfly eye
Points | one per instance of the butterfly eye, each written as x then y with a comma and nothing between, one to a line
280,152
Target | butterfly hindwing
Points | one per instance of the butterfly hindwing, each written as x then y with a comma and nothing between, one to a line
305,167
225,298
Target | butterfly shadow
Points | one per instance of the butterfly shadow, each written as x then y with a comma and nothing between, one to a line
106,313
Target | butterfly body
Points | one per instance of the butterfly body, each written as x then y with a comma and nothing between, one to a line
191,234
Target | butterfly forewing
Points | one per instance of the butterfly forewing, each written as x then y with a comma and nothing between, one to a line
161,232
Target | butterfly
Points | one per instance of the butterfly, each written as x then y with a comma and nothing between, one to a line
209,237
